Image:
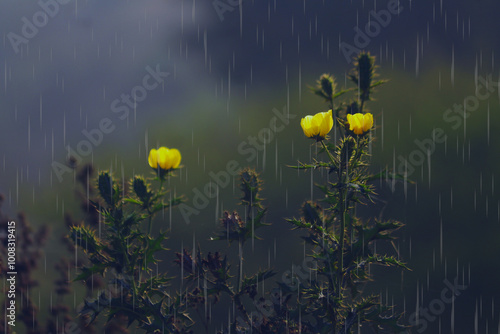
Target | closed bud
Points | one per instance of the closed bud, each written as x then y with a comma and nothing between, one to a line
141,189
105,186
347,149
353,108
250,185
311,212
327,84
363,74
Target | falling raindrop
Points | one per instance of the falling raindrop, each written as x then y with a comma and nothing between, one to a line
475,200
417,62
29,133
429,166
441,241
453,66
488,124
300,82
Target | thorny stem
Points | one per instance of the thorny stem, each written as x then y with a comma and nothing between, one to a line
362,105
328,152
342,231
150,223
203,318
240,266
127,260
336,120
342,217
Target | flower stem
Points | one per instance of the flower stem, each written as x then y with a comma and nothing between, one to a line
150,222
342,237
240,265
343,210
328,152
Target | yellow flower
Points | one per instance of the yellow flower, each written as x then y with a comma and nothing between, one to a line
317,126
360,123
164,158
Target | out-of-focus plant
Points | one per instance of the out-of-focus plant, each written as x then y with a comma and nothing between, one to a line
342,243
28,254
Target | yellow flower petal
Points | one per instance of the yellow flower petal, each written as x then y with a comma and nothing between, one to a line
326,124
360,123
318,125
309,127
368,122
152,159
176,157
162,154
171,156
164,158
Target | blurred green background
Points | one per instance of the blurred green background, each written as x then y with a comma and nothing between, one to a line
225,78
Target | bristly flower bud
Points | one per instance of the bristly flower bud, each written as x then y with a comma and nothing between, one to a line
142,190
347,149
328,84
105,186
325,87
312,212
214,262
363,74
232,222
187,261
353,108
250,185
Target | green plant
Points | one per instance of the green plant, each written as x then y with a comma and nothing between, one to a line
125,255
340,243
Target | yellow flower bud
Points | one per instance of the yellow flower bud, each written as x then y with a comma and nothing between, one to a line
360,123
164,158
317,126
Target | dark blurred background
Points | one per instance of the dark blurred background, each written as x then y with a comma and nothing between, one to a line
229,66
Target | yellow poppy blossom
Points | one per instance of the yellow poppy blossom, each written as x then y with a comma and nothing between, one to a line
317,126
164,158
360,123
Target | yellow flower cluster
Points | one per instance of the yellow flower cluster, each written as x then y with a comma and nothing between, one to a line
319,125
164,158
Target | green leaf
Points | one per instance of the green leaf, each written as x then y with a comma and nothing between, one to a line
155,245
98,268
133,201
257,278
386,175
385,260
86,238
316,165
